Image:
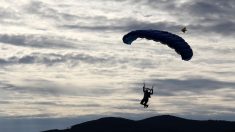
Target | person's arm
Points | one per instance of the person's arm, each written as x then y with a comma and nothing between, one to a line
152,90
144,88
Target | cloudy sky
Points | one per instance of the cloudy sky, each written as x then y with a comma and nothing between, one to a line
64,62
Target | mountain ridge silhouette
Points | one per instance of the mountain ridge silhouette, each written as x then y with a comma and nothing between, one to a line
164,123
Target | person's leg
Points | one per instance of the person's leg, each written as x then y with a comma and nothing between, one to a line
145,103
142,102
146,106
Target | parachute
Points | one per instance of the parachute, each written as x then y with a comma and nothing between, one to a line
171,40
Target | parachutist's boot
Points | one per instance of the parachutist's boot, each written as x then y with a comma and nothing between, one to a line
146,106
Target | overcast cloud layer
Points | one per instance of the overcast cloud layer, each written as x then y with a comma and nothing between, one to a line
65,60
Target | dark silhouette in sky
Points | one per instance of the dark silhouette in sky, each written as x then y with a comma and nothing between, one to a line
171,40
147,94
184,29
163,123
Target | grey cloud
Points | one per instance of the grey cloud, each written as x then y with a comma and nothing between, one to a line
37,87
74,59
207,17
225,28
6,13
199,8
125,25
171,87
218,50
47,11
3,61
194,84
47,90
51,88
212,8
216,61
54,58
9,16
211,16
64,19
4,102
126,107
101,23
162,4
60,104
37,41
205,8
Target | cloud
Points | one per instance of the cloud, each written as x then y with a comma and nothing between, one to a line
64,104
125,24
45,87
201,17
46,11
225,28
100,62
171,87
50,59
37,41
212,16
6,13
9,16
212,8
5,102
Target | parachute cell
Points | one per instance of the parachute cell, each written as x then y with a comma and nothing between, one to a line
173,41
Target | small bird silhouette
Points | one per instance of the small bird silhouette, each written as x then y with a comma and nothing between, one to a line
184,29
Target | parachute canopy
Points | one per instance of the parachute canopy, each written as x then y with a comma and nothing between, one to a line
173,41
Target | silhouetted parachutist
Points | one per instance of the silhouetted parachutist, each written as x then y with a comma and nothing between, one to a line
147,94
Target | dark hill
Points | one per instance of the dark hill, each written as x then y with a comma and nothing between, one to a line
163,123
